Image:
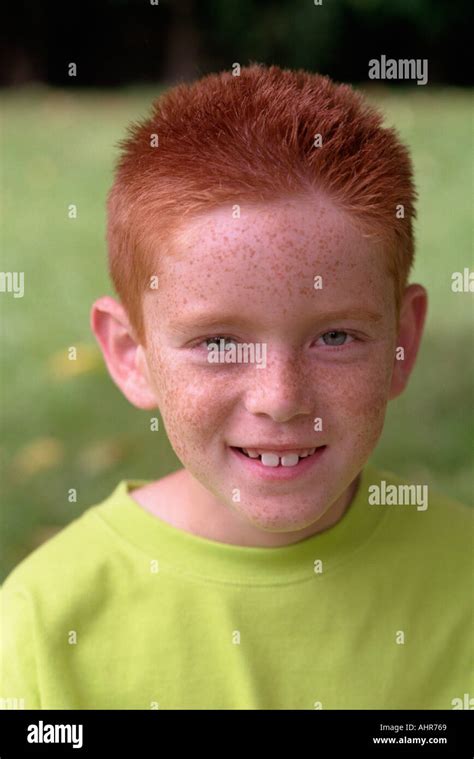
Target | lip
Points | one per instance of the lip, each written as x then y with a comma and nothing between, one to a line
255,467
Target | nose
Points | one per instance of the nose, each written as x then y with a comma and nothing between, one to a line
282,389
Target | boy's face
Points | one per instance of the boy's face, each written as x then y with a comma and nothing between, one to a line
330,355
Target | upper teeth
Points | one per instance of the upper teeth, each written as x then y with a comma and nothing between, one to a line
271,458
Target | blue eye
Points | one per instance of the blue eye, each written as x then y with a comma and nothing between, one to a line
335,338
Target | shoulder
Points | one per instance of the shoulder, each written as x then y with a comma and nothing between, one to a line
65,562
417,493
423,522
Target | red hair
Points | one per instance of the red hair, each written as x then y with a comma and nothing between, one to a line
225,138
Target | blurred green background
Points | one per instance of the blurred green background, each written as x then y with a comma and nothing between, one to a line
65,424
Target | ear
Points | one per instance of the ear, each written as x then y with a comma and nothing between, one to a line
123,356
412,319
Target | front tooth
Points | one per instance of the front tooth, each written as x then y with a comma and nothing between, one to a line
270,459
291,459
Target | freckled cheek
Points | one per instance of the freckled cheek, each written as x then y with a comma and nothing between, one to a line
194,409
356,398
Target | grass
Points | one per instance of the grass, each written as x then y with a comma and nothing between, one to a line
63,430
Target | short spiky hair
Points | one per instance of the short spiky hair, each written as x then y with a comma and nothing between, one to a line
226,139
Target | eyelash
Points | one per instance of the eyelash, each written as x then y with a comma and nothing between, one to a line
216,338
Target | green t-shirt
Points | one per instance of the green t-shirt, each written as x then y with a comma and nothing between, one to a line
121,610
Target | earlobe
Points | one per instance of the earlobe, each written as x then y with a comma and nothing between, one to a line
113,332
412,319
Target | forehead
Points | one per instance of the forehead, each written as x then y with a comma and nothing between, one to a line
309,225
271,252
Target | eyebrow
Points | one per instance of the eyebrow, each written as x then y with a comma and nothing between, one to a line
212,321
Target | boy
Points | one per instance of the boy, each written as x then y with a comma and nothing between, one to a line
268,216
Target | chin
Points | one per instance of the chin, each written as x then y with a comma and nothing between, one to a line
272,517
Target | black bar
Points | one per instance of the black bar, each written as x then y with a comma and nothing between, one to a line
138,733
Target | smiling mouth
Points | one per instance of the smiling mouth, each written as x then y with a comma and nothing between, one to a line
275,459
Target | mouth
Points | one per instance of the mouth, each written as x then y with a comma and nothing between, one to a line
282,464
